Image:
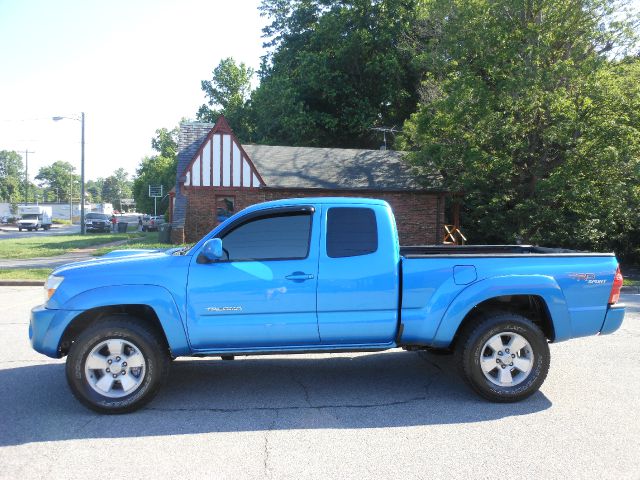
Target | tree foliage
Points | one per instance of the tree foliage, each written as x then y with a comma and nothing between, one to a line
93,188
11,177
525,108
157,170
59,181
116,187
228,93
336,71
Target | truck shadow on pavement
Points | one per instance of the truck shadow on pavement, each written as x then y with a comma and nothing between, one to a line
391,389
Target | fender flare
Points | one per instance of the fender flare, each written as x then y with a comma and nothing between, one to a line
155,297
542,286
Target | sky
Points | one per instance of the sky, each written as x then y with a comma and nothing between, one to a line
132,66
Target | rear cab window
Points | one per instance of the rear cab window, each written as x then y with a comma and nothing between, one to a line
351,232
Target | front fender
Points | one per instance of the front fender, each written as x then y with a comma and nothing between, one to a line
156,297
539,285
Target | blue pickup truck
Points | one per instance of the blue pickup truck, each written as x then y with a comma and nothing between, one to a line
319,275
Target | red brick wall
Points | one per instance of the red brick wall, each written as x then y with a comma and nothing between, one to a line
415,212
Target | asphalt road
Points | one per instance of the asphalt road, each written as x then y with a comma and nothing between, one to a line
384,415
9,231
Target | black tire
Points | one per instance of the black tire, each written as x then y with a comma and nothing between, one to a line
472,344
134,332
19,229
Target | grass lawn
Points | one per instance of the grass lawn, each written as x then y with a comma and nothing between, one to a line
25,274
149,241
631,282
32,247
57,245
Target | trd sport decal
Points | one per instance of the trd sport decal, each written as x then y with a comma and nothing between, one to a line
590,278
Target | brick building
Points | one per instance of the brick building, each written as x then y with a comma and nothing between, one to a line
217,176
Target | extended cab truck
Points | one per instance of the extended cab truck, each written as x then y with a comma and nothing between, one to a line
319,275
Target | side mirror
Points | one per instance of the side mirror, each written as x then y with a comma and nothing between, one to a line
212,249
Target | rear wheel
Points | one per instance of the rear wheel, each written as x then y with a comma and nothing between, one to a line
503,356
117,365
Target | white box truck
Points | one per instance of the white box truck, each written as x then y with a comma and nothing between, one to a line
33,217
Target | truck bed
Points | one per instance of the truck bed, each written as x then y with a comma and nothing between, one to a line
426,251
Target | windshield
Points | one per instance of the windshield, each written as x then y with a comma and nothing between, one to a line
97,216
30,216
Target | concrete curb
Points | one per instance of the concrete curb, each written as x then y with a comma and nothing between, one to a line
21,283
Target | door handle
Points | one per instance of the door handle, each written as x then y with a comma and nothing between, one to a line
299,276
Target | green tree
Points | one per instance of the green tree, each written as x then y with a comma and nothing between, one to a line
94,189
116,187
336,71
157,170
11,177
525,108
227,94
59,181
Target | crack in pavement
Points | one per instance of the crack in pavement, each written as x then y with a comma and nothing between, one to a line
272,425
85,424
281,409
297,381
423,356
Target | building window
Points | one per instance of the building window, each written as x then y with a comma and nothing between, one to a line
273,237
225,207
351,232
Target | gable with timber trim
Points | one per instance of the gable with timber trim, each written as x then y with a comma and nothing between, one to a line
221,162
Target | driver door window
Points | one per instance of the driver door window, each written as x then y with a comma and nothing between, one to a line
277,237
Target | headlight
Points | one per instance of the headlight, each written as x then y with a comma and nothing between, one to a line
51,285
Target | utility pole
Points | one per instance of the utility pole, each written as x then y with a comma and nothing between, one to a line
82,225
26,175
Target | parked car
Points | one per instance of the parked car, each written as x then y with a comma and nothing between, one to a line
150,223
320,275
97,222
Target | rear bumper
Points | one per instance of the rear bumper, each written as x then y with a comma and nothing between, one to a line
613,319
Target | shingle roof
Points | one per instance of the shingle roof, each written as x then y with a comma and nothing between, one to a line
335,168
306,167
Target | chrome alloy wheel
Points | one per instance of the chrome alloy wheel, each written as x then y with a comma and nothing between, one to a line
506,359
115,368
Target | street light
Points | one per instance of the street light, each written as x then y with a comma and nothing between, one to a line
81,120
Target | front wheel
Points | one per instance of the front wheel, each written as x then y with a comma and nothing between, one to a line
117,365
504,357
